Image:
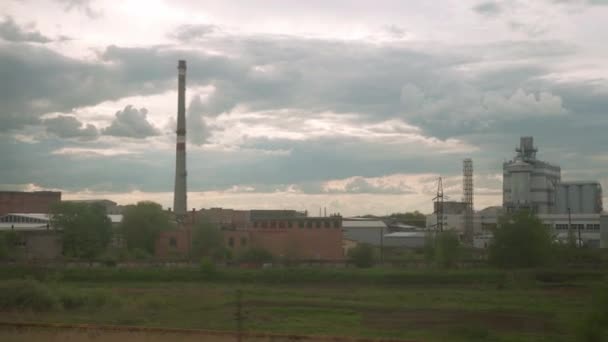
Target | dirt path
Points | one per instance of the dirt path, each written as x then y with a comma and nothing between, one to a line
33,332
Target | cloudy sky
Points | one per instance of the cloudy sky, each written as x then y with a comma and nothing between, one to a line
357,106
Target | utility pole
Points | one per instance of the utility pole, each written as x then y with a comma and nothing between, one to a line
570,234
381,245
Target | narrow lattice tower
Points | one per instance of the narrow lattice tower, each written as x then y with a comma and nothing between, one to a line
438,206
180,195
467,198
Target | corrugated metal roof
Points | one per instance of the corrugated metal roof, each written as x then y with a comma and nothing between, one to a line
405,235
5,226
363,224
36,216
115,218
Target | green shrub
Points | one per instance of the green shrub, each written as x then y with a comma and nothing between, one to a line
28,295
140,254
521,240
256,255
594,327
207,266
443,249
362,255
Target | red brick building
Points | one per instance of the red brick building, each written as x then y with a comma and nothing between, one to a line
28,202
286,234
296,238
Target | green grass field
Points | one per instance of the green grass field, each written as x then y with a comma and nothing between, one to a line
448,306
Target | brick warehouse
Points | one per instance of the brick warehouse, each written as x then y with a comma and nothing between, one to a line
296,238
28,202
287,234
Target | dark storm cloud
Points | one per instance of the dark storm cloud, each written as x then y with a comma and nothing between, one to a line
10,31
486,95
65,126
131,123
488,8
190,33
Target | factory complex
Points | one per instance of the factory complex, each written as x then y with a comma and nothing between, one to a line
568,208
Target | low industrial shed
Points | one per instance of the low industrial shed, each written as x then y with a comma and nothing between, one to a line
405,239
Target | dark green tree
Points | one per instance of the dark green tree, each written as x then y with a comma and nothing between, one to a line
142,223
443,249
86,228
520,240
8,241
362,255
208,241
414,218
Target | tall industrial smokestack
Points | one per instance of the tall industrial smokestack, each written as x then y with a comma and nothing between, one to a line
180,197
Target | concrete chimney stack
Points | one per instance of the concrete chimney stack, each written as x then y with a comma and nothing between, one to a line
180,197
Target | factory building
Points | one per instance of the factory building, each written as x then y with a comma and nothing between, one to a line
287,234
28,202
529,183
36,238
364,230
604,231
532,184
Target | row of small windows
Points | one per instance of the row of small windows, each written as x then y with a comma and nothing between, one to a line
299,224
20,219
590,226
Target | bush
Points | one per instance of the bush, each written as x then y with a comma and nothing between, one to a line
207,267
443,249
27,294
256,255
594,328
520,240
93,299
140,254
362,255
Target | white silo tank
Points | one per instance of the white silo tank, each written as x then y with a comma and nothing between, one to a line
521,173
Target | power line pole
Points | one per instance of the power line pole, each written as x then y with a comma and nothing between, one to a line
438,203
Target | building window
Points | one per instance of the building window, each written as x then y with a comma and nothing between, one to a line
308,224
593,226
173,242
301,224
336,224
289,224
281,224
264,225
327,224
318,224
561,227
273,224
243,241
231,242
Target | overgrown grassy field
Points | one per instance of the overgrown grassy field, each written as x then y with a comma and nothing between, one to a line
477,305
